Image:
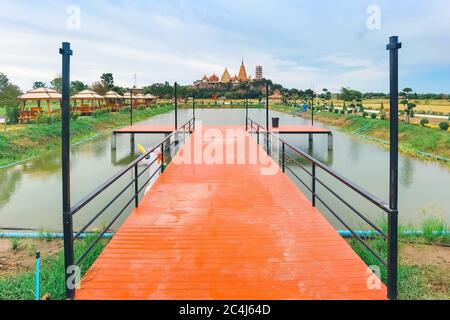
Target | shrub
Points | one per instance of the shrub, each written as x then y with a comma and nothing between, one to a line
365,114
125,110
336,111
373,115
45,118
342,111
100,113
75,115
424,122
444,126
12,114
383,117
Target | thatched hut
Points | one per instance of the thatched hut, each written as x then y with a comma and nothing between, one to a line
114,101
94,102
38,95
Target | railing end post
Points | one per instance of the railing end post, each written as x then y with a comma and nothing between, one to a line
392,272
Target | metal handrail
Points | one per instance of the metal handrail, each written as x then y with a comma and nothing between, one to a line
258,129
164,145
86,200
375,200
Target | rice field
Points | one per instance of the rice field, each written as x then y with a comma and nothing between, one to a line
423,106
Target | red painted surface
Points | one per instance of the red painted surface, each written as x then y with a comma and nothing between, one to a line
226,232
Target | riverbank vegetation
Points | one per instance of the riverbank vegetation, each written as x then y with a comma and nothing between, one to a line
21,285
424,256
415,140
35,139
423,269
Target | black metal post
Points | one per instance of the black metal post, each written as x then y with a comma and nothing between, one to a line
136,186
193,104
257,132
314,185
66,52
312,111
131,107
162,158
267,118
283,157
176,106
246,108
267,107
393,48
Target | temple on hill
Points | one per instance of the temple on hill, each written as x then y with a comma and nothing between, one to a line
226,77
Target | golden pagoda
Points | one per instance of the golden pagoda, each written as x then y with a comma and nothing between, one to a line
242,77
214,79
226,78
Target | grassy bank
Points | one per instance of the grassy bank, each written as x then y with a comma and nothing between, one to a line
419,277
22,286
414,140
35,139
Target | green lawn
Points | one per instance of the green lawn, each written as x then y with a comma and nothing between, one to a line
2,112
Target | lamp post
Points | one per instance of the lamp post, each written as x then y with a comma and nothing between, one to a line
176,106
246,107
69,257
393,48
131,107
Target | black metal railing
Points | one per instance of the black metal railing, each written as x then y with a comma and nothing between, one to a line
176,139
287,154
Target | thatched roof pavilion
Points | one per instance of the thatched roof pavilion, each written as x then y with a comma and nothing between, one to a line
87,95
112,95
41,94
114,101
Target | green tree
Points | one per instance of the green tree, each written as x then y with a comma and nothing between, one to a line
9,94
56,83
4,81
348,94
39,84
107,80
77,86
410,113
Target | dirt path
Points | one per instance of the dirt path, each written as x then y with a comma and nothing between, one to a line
17,256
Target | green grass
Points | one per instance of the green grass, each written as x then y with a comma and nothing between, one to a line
2,112
414,282
15,244
36,139
22,286
414,140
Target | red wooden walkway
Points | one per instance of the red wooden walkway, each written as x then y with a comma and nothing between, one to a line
226,232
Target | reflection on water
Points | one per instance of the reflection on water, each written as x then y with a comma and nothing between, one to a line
406,176
30,193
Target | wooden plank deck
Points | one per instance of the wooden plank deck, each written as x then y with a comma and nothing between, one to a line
226,232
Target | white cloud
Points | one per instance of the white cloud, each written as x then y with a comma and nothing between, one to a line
299,43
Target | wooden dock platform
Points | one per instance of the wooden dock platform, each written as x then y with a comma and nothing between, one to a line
225,231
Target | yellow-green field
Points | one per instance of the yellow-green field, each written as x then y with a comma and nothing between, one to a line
436,106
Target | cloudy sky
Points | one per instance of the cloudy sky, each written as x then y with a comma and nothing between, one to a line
302,44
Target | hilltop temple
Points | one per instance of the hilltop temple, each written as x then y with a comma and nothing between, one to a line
227,78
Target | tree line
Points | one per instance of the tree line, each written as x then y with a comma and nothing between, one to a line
254,90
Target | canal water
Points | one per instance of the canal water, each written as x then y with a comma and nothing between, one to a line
30,192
